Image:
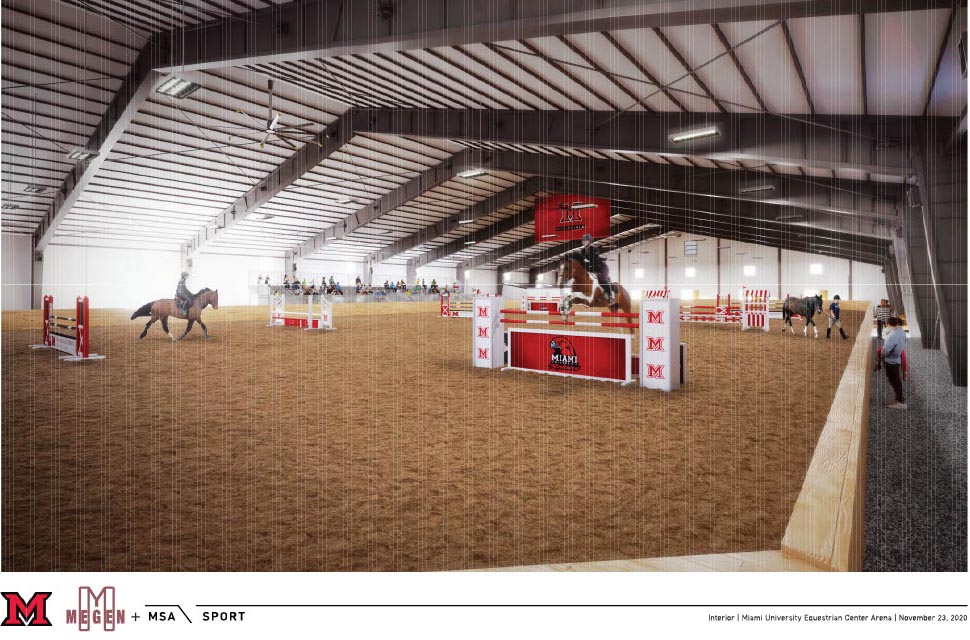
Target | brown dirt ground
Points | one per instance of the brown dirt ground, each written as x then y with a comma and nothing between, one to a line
378,447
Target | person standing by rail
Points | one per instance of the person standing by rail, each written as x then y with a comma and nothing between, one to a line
883,311
891,356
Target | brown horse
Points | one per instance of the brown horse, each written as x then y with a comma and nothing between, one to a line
168,308
584,292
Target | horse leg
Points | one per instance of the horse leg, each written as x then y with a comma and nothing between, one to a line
149,324
188,328
165,328
205,330
565,305
815,328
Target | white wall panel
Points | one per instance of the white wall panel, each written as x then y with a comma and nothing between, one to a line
17,253
111,278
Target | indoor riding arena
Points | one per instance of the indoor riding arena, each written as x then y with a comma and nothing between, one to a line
441,286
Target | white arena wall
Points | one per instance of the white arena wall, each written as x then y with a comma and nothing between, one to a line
127,278
740,265
115,278
16,256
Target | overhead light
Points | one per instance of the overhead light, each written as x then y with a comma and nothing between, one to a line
539,278
469,242
695,134
506,276
549,235
35,188
468,273
344,200
263,216
472,173
10,205
788,216
465,221
82,155
177,87
576,206
757,188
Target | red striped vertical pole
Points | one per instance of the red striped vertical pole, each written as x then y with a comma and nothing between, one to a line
82,329
48,309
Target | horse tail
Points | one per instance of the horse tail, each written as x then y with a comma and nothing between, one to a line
144,310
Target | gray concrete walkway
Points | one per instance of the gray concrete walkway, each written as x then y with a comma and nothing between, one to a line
916,483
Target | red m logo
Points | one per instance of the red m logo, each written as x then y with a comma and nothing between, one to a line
482,312
653,317
655,371
482,354
653,344
32,613
483,332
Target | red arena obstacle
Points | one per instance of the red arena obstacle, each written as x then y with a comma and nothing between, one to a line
752,313
593,355
280,317
72,339
454,308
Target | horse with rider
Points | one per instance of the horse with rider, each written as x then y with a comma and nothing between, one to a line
184,306
588,277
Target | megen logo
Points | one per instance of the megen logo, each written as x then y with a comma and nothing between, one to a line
483,312
653,344
483,332
96,610
653,317
30,613
482,354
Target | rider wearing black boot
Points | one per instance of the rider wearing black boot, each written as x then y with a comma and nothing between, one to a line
183,297
834,318
596,265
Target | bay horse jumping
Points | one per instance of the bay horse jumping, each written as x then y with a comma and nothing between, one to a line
584,291
162,310
806,307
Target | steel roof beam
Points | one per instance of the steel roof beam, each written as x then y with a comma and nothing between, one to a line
306,29
311,154
480,209
717,217
134,90
413,188
873,202
876,254
875,144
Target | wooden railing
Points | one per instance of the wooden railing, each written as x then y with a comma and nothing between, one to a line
827,525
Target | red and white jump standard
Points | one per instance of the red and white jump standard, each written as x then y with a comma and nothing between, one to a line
72,339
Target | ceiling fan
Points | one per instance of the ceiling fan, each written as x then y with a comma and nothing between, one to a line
272,127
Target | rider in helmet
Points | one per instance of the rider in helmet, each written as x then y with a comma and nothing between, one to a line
596,265
183,297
